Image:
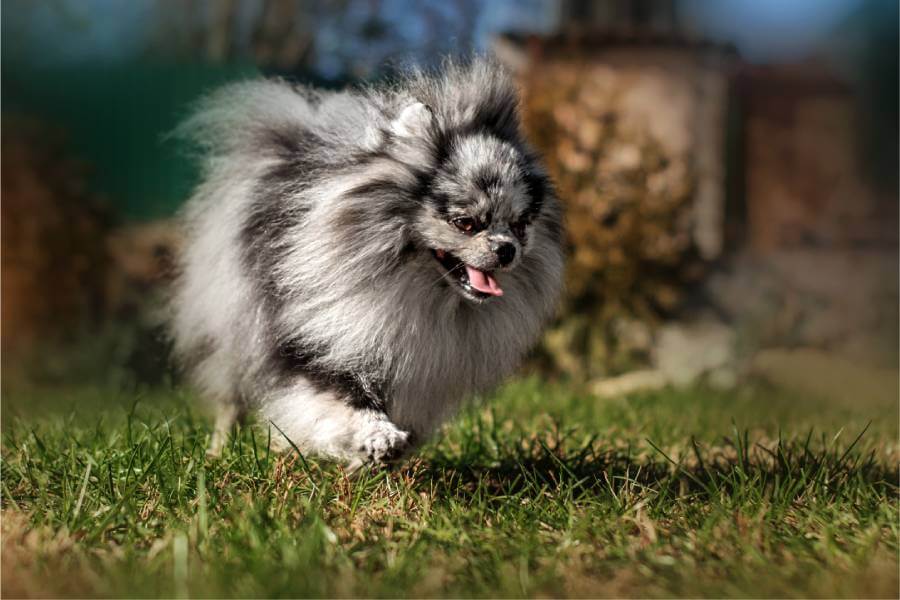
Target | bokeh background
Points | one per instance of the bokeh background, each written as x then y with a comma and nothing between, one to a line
729,170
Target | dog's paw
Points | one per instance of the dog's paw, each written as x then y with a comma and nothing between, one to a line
382,442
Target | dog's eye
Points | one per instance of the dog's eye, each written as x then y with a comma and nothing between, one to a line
466,224
518,228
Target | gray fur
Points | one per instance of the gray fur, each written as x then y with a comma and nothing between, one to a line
309,290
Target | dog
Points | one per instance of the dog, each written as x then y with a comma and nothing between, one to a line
357,263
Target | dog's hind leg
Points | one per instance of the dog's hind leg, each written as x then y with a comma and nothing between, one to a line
227,414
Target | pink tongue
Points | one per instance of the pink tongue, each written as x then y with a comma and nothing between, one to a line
483,282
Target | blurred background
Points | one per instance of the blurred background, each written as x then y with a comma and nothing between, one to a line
730,172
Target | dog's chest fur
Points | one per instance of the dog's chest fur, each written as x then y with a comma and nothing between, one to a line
421,346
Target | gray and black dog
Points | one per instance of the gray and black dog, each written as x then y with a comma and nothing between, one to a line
358,262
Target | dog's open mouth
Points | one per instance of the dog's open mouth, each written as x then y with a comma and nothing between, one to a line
474,283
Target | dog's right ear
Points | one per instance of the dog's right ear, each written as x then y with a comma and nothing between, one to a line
414,120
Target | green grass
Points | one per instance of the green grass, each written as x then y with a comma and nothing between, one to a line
543,491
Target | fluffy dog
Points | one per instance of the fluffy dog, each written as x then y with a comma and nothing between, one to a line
359,262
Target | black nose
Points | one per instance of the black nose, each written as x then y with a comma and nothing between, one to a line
506,252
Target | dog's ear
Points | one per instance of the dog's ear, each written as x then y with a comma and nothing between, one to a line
414,120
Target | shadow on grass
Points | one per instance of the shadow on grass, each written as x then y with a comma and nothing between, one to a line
780,472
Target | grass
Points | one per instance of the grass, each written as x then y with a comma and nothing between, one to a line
542,491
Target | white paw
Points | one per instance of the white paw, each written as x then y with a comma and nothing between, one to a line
381,441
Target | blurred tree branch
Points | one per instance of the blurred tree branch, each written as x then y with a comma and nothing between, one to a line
220,34
281,38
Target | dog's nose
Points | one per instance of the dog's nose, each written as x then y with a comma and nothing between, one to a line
506,252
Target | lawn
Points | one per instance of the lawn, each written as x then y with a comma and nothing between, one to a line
541,490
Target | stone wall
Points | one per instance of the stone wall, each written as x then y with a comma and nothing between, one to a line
711,193
634,135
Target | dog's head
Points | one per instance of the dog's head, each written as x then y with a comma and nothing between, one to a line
482,208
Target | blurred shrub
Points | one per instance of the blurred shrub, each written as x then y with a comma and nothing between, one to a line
53,244
628,187
79,295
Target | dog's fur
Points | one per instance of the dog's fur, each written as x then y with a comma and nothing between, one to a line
309,288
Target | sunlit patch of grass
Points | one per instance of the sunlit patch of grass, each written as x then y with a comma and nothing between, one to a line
542,490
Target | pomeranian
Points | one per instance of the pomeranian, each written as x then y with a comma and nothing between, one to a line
359,262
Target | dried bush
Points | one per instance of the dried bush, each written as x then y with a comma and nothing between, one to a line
627,184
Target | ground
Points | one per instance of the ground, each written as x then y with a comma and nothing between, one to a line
539,491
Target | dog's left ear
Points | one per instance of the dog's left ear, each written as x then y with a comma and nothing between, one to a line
414,120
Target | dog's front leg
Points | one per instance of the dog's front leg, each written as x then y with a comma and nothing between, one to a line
323,423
